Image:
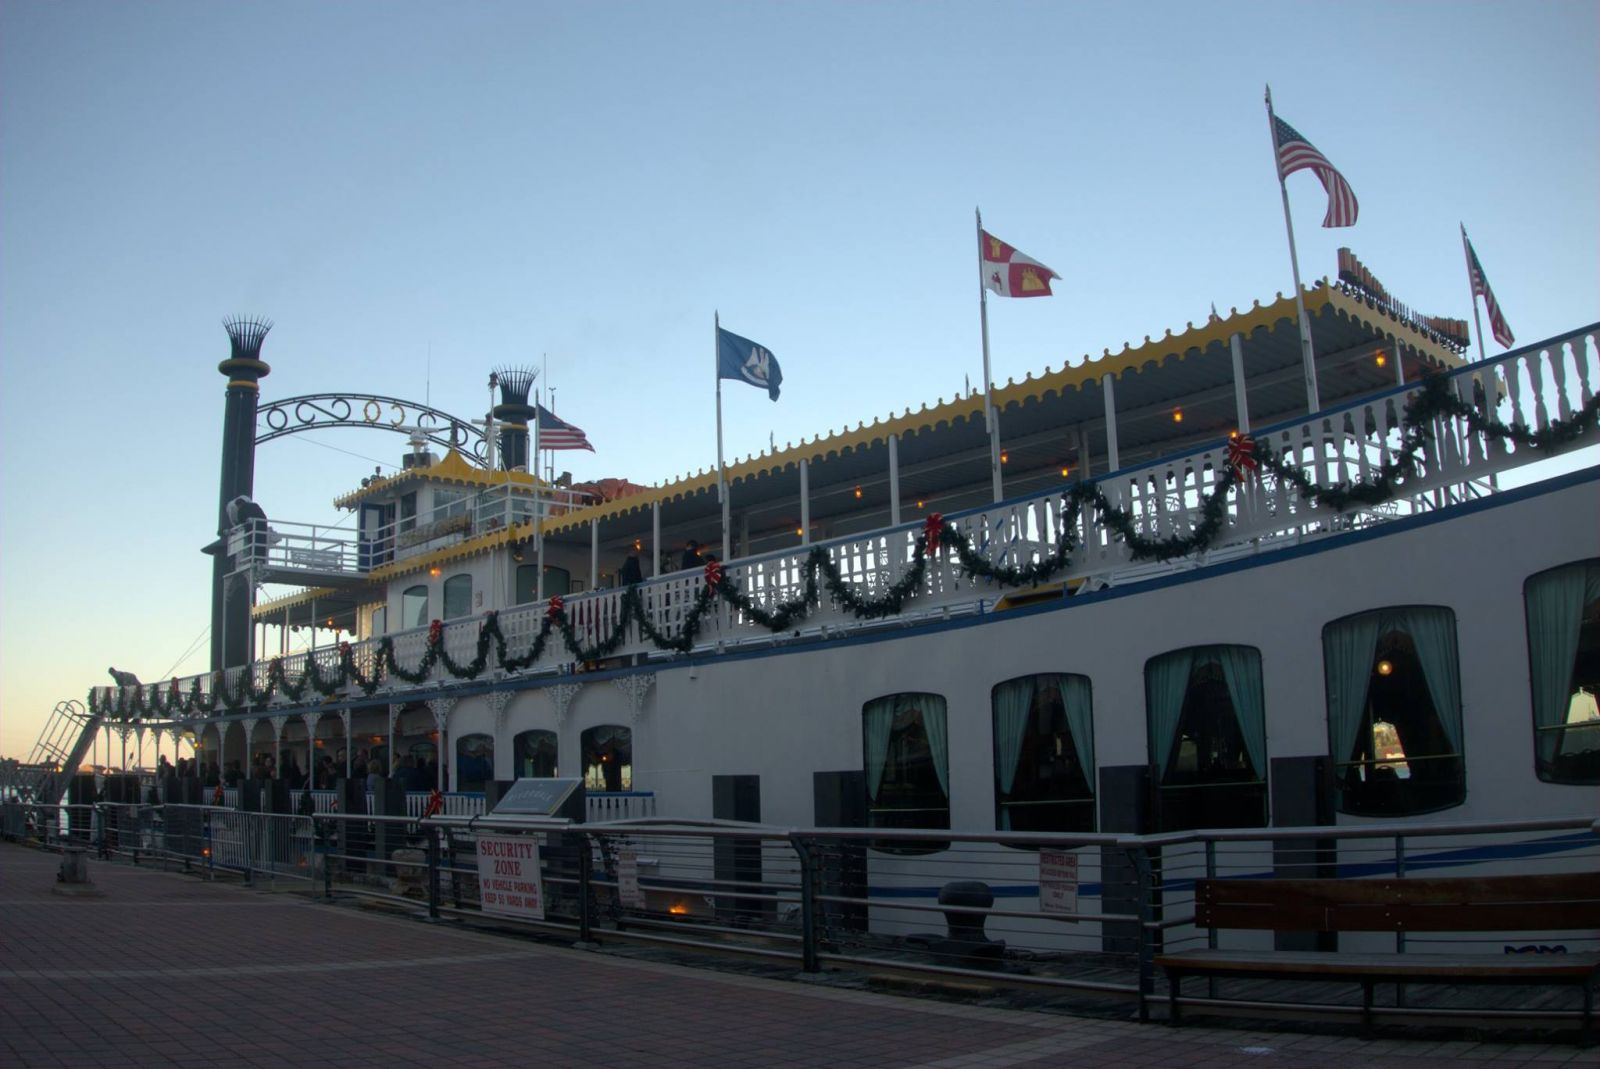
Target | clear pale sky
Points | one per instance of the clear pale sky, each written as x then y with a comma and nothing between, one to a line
417,193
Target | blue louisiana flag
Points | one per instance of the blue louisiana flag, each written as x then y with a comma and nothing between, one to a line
742,359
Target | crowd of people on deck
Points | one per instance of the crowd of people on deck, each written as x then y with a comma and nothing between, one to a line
415,773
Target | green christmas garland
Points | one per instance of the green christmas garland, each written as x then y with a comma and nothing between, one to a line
821,575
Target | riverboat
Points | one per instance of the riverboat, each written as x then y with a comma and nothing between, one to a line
1194,604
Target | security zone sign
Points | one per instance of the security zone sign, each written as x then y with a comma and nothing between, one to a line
1058,881
508,876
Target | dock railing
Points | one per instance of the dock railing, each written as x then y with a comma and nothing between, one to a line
1080,915
1530,388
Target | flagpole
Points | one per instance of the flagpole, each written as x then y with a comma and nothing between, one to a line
1308,364
990,422
716,369
538,515
1472,293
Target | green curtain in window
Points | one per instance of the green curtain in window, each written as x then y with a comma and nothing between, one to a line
1012,700
1348,650
933,724
877,724
1433,635
1076,697
1166,682
1556,601
1241,670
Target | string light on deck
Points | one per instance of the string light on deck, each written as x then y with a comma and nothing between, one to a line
1385,667
1379,358
1177,415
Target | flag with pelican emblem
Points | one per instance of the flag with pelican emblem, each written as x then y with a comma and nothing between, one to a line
1008,272
744,360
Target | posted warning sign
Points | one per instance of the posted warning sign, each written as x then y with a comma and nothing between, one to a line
508,876
1058,881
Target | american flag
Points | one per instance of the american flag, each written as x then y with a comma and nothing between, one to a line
1480,288
557,433
1295,153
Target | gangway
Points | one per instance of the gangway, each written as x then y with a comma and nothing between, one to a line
66,737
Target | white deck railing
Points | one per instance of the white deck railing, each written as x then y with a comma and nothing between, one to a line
318,548
1534,386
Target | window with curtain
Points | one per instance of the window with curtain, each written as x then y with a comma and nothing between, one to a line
1207,737
1563,606
607,758
1394,710
907,763
458,596
474,761
556,581
414,607
1043,754
535,754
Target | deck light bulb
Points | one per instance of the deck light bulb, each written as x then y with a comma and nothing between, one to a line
858,492
1005,458
637,545
1385,667
1379,359
1177,415
800,531
1065,471
434,571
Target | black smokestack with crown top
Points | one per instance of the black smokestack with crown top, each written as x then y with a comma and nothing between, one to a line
230,598
513,413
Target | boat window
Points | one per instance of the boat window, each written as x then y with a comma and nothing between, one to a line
380,622
607,758
448,503
414,607
1563,606
535,754
474,761
1043,754
408,511
1394,711
907,764
556,581
458,596
1207,738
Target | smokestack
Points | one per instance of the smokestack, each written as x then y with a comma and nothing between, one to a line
230,597
513,413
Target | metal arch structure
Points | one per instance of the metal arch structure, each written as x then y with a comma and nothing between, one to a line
318,410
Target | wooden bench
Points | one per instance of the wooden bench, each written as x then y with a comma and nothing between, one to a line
1528,903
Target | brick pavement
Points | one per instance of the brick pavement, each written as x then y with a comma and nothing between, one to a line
165,969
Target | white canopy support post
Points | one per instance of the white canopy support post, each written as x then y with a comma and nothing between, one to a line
594,554
1109,392
894,480
805,501
1241,403
655,538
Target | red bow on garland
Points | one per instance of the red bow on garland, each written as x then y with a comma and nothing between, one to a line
554,608
216,795
933,528
435,804
435,632
713,574
1242,455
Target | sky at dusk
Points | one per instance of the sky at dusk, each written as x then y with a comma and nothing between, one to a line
419,193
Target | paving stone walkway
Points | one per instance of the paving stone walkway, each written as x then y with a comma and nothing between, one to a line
164,969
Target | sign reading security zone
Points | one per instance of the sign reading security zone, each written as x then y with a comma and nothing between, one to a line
508,876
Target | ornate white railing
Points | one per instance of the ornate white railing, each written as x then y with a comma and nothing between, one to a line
1535,387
